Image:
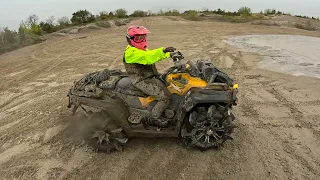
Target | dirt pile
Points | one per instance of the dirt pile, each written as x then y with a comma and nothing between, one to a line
92,26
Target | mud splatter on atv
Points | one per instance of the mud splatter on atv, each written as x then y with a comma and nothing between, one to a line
200,111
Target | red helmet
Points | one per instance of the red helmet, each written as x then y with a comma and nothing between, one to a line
137,36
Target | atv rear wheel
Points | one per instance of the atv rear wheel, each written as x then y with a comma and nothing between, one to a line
208,127
103,134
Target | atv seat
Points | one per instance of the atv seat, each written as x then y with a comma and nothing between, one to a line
126,87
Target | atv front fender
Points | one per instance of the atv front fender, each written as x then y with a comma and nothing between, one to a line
203,96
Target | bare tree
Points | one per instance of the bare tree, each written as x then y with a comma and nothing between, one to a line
149,13
50,20
22,32
121,13
64,21
32,20
103,13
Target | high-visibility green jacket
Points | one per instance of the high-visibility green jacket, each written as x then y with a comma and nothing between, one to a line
148,57
140,64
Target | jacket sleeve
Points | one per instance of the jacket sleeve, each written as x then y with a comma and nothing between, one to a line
148,57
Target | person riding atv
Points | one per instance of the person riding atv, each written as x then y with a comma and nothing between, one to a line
140,65
191,100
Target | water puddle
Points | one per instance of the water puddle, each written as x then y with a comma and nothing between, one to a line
292,54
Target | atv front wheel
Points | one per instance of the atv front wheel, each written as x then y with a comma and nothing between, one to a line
208,127
103,134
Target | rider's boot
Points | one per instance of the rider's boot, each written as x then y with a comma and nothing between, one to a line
159,122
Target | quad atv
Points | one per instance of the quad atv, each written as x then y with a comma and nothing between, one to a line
200,112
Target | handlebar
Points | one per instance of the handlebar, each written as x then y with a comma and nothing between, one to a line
177,56
179,64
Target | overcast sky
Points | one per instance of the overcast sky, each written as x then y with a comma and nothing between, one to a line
13,11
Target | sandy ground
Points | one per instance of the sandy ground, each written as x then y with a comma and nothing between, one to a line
278,115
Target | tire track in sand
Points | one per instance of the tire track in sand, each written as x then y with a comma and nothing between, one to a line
155,161
119,163
15,151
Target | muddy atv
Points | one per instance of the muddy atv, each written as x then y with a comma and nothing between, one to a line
200,111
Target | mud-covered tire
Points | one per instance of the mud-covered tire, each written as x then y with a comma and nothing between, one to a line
102,134
208,127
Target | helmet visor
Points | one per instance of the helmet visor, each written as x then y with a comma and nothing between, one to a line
139,38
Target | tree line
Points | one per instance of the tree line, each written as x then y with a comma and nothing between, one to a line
31,29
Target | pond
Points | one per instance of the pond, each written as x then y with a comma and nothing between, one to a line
292,54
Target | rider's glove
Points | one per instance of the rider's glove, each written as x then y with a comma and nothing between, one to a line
172,54
175,55
169,49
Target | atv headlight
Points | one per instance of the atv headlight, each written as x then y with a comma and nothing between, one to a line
188,67
235,86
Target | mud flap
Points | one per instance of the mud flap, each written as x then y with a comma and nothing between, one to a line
116,108
71,103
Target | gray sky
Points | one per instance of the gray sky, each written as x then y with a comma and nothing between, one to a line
13,11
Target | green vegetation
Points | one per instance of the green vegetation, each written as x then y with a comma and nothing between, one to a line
192,15
220,12
48,26
245,11
173,12
103,15
306,17
272,11
121,13
139,13
81,17
11,40
243,15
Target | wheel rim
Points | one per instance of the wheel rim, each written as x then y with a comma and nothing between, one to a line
104,135
210,132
